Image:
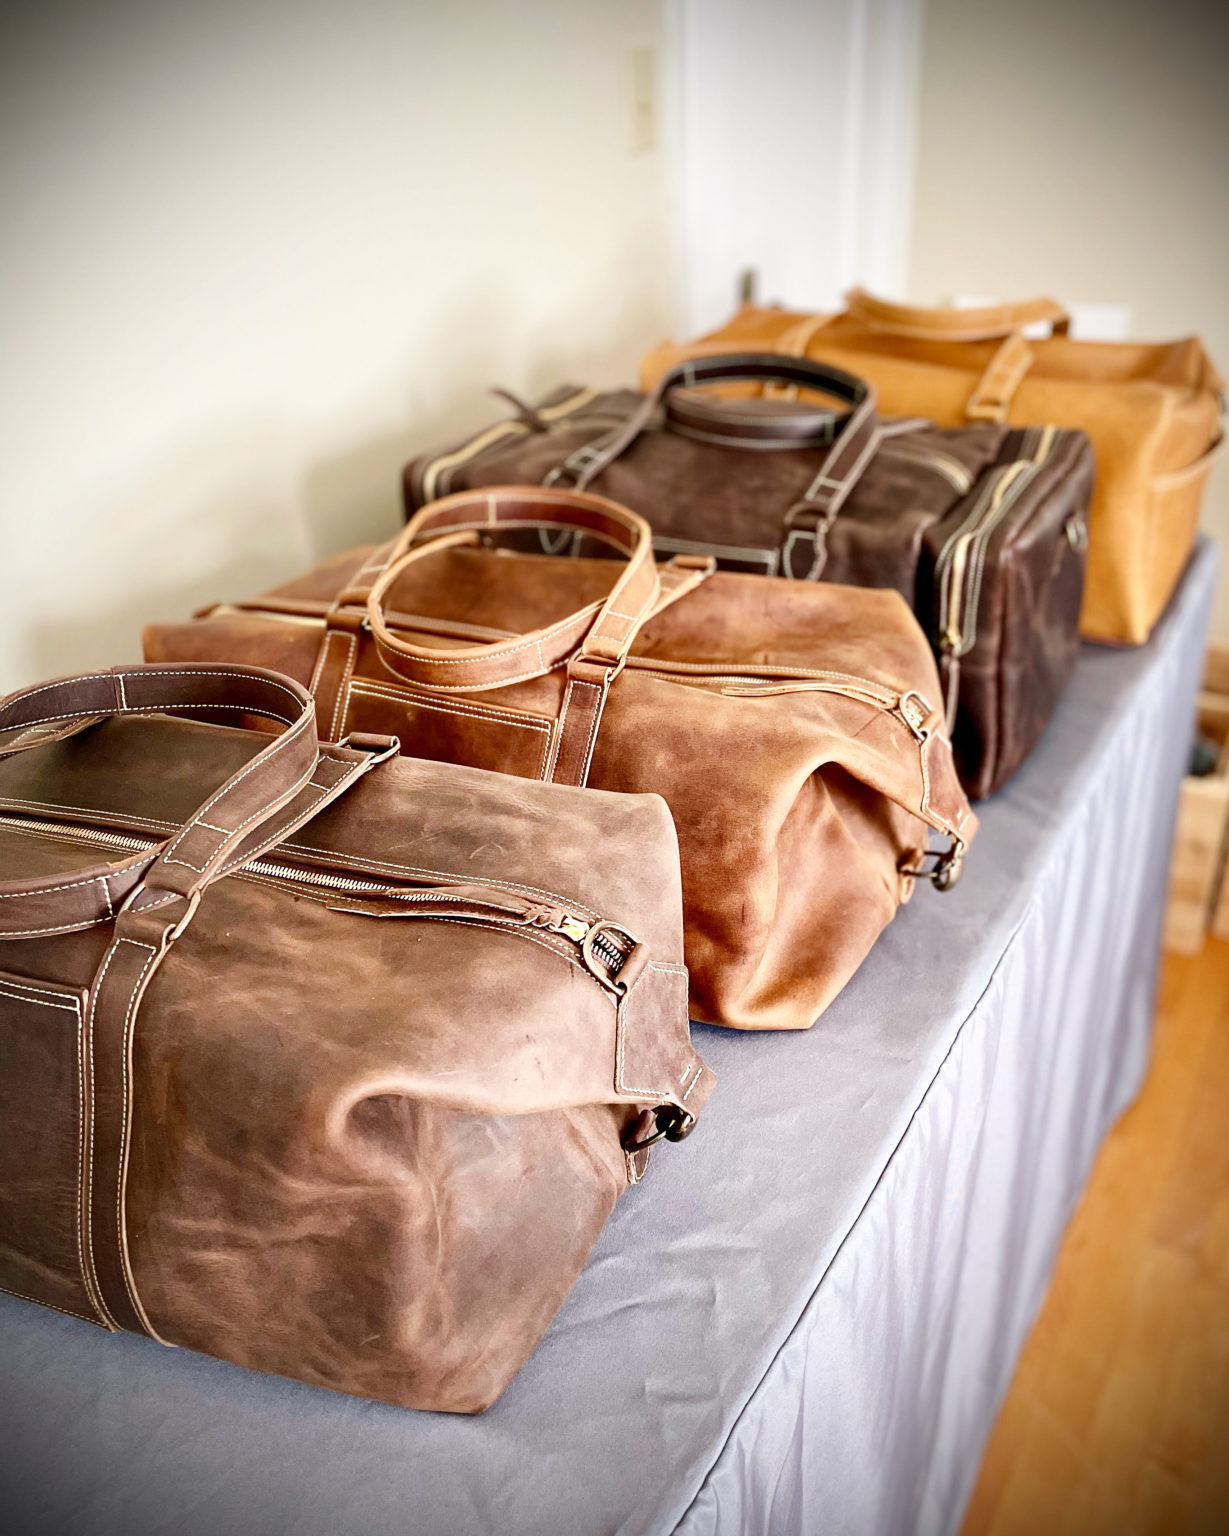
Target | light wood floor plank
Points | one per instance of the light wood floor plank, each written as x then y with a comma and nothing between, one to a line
1117,1421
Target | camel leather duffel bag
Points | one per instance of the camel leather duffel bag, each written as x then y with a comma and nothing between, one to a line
794,730
980,528
1151,411
304,1048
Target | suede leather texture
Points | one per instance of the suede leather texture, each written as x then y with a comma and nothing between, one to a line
349,1117
1151,411
767,715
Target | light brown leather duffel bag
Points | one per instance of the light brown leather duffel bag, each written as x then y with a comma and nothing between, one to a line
297,1070
1152,412
796,731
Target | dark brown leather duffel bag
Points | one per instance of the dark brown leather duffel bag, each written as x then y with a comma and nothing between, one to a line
1152,411
981,528
297,1070
793,729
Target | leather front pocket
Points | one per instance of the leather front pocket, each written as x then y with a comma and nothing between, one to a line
447,730
42,1130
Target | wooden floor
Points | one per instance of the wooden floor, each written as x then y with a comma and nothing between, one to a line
1118,1417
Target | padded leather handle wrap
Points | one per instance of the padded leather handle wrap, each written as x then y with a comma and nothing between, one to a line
986,324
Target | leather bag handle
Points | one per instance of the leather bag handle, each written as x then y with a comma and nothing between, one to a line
602,631
260,804
989,323
583,466
593,641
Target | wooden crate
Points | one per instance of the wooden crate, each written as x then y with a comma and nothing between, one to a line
1196,873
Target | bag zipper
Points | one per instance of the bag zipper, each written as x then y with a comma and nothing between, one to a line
770,679
958,570
591,937
952,470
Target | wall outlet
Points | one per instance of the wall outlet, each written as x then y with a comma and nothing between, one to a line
642,86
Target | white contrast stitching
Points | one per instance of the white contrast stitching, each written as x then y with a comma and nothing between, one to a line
126,1123
343,690
15,991
97,1297
360,862
45,890
38,1302
593,725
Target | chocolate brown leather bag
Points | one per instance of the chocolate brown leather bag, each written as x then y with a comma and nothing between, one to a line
980,528
298,1070
794,730
1151,411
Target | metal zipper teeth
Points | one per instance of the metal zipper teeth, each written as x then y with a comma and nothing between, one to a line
952,470
956,590
870,693
573,928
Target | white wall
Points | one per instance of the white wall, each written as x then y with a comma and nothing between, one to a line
795,135
1078,148
253,253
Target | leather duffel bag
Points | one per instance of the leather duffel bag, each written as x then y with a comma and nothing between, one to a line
980,528
794,730
1151,411
296,1070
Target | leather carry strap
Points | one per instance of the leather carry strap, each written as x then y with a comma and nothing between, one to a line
195,854
984,324
583,466
279,789
593,641
604,630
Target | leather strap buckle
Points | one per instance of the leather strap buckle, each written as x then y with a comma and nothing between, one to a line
667,1122
945,872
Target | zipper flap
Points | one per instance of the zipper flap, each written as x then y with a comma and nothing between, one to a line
960,563
606,948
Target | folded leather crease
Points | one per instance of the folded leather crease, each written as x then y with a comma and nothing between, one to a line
645,677
263,1090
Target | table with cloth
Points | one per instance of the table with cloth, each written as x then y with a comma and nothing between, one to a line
804,1319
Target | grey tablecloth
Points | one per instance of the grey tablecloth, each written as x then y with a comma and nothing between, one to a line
805,1317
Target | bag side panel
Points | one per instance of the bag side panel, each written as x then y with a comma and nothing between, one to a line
44,1088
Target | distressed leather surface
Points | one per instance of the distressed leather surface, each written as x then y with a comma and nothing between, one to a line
800,793
739,500
1152,412
346,1125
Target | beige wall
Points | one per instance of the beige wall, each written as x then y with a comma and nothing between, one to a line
1079,148
255,252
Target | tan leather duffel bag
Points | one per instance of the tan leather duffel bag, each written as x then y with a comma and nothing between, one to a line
795,731
296,1070
1153,413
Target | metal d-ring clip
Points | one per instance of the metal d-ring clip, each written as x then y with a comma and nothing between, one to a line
915,725
670,1123
947,868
